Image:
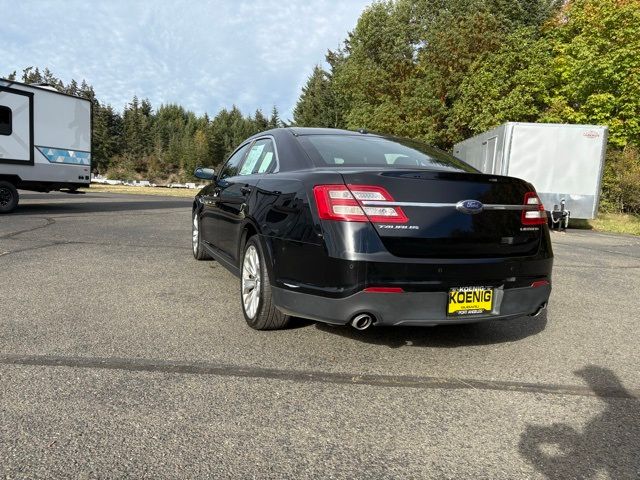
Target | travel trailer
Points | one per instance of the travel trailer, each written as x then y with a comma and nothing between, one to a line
45,141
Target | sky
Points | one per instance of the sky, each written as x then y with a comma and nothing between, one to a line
204,55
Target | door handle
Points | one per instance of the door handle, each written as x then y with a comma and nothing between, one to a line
246,190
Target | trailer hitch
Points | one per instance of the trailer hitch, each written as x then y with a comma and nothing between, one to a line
560,216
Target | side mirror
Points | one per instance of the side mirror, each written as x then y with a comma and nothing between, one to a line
205,173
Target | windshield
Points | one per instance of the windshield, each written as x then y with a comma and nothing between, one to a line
349,151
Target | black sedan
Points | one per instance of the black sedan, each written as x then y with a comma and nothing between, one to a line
355,228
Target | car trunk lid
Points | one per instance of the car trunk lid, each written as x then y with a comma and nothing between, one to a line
448,214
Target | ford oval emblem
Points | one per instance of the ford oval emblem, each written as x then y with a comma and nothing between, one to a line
470,207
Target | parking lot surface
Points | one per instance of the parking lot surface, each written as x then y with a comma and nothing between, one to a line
121,356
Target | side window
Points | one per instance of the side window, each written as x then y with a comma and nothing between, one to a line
6,126
232,166
260,159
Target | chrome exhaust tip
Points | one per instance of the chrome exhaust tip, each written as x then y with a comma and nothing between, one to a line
362,321
541,308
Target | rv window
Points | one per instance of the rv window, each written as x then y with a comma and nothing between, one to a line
5,120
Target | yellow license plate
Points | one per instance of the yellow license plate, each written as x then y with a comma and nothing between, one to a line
469,301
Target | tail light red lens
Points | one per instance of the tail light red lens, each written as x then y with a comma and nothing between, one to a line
344,203
536,216
540,283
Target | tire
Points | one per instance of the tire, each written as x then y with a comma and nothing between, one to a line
199,253
8,197
257,302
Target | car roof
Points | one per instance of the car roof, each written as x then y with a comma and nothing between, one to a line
324,131
301,131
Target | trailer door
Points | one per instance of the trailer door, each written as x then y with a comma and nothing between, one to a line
562,162
489,154
16,126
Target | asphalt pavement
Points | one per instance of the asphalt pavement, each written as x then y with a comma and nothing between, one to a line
121,356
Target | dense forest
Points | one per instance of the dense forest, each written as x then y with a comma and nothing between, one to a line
437,70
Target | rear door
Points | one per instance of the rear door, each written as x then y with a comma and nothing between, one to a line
211,214
16,126
234,192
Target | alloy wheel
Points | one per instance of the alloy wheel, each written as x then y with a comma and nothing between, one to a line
251,281
195,232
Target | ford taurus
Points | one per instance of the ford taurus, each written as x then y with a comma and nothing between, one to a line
354,228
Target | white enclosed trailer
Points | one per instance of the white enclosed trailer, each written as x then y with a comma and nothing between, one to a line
45,141
563,162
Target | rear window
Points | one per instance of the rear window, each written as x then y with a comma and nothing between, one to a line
348,151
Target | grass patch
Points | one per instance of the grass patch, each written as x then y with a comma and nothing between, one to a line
161,191
611,223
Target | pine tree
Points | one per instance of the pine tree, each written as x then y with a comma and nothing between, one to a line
72,88
317,106
274,121
133,130
261,122
50,79
31,75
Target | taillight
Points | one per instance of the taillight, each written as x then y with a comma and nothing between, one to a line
535,216
344,203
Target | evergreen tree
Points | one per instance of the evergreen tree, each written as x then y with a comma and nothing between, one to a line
107,134
317,105
72,88
274,121
50,79
31,75
261,122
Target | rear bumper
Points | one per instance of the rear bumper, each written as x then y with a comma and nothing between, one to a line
409,308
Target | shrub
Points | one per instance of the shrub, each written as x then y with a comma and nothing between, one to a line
621,181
